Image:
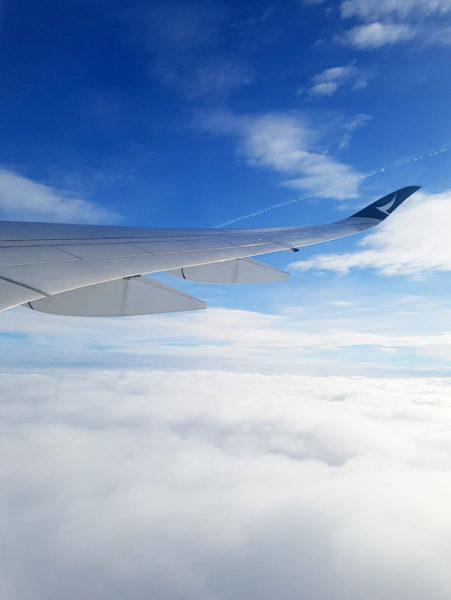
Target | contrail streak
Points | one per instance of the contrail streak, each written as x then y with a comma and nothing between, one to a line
400,162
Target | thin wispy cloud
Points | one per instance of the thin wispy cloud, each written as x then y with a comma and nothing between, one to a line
286,144
438,36
375,9
186,45
388,22
377,34
315,338
23,199
330,80
351,126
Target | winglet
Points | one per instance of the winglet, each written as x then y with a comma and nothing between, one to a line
382,208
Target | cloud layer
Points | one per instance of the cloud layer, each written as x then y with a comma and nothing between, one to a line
223,486
311,335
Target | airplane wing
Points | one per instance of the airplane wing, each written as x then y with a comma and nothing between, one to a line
87,270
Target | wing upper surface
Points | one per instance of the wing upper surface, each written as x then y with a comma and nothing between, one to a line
42,259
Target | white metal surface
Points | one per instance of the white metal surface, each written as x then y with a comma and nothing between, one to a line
108,257
242,270
38,260
124,297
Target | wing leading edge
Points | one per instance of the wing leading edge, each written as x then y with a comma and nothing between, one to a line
42,260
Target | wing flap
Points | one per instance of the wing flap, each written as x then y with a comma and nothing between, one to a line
242,270
12,294
57,277
123,297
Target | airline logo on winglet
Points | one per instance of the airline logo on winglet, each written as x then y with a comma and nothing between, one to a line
382,208
385,209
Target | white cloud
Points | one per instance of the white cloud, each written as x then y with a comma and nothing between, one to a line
326,88
315,338
327,82
351,126
286,143
415,240
219,485
376,9
391,21
24,199
377,34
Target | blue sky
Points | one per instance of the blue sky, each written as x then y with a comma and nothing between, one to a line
197,114
292,441
154,111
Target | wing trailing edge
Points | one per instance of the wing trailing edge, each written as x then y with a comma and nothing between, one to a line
119,298
241,270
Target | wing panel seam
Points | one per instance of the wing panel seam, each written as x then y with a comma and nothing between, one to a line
24,285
